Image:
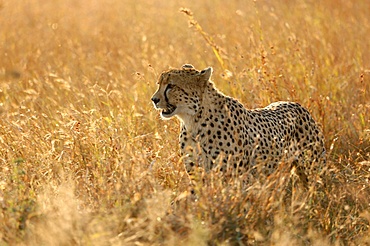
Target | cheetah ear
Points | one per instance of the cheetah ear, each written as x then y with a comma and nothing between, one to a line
206,73
187,67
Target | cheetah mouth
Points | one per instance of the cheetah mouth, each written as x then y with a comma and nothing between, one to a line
169,111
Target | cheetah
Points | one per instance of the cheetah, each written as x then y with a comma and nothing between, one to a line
217,131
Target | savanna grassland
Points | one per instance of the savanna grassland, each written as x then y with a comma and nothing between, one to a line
86,160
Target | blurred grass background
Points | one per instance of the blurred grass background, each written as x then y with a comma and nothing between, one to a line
85,158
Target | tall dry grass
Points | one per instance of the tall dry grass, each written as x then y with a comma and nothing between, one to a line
86,160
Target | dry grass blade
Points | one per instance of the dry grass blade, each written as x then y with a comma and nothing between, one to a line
209,40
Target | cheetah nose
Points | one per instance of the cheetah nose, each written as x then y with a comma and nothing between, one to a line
155,100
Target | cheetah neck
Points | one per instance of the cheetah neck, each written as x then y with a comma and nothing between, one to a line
211,98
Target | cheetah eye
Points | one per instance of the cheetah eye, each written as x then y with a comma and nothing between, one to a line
168,88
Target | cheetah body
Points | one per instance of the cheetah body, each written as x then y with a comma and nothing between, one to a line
217,131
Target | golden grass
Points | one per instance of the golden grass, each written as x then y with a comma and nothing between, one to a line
85,159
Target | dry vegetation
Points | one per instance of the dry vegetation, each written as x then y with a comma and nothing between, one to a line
85,159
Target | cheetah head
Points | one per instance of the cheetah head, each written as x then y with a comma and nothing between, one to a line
180,91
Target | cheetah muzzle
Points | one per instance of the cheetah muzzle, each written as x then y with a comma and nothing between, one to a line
168,109
168,112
